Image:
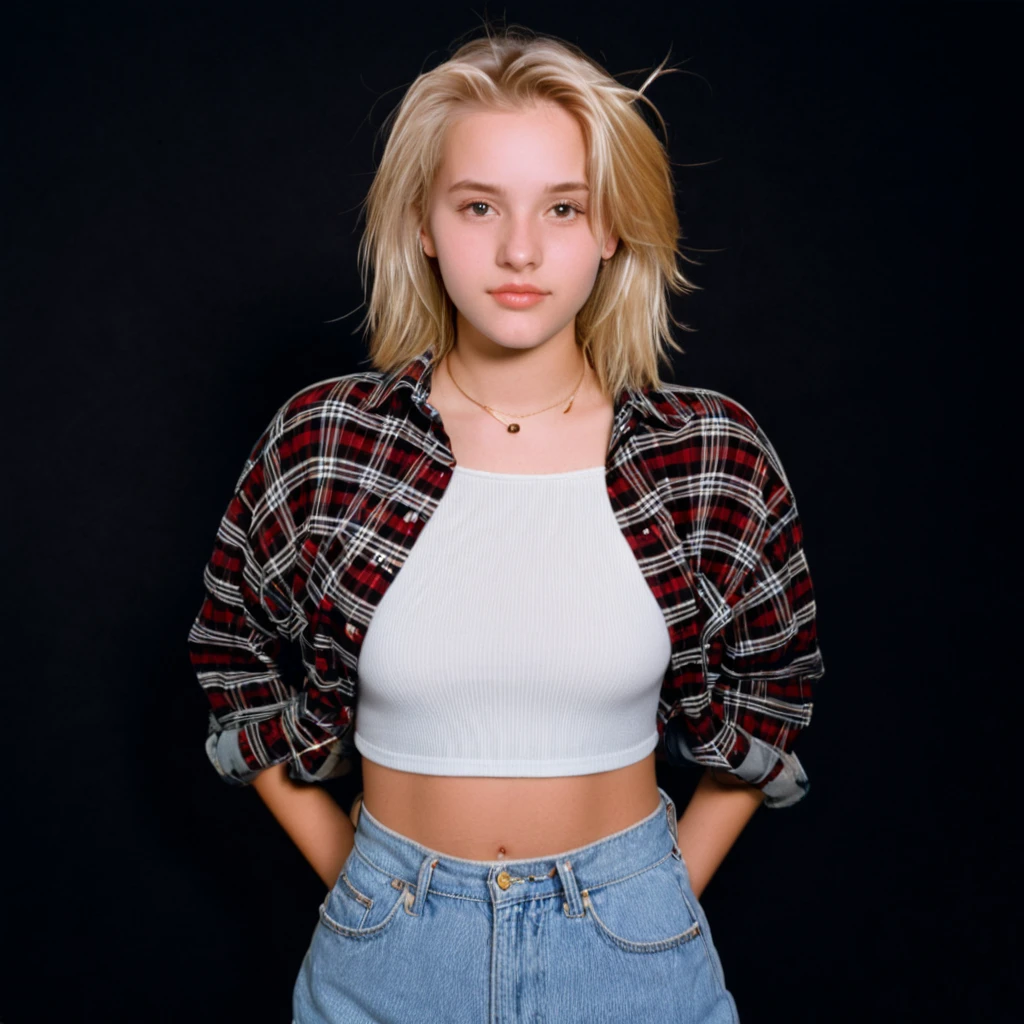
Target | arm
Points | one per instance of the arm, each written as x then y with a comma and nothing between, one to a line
717,813
761,658
258,718
313,819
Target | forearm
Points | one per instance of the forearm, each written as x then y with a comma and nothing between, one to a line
715,816
317,825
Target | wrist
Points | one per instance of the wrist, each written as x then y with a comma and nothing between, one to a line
727,780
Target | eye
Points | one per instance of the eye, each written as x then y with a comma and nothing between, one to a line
574,210
577,210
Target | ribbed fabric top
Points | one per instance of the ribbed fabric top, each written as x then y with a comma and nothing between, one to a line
519,638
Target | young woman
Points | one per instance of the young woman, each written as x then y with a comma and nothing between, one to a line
519,567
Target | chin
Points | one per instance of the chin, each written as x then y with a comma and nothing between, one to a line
522,344
529,336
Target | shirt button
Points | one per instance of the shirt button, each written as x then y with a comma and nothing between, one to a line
410,517
646,530
351,630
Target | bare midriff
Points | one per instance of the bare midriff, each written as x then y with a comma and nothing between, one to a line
493,818
497,818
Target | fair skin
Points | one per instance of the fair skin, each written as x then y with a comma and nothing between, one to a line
516,361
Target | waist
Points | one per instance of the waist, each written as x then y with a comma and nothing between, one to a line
650,838
491,818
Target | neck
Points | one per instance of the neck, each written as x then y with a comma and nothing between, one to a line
518,380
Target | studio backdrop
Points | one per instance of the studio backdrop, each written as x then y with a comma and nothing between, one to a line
182,193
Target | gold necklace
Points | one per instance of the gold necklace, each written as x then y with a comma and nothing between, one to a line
511,427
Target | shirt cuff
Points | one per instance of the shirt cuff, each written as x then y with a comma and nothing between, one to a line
326,759
788,786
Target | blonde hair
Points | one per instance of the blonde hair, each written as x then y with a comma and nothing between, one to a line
623,327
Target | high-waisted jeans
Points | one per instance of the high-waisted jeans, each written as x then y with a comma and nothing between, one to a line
607,932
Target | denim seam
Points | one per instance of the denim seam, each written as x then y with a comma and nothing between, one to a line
625,878
360,897
649,946
376,867
359,933
715,968
526,896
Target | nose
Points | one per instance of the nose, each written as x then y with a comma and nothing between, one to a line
520,244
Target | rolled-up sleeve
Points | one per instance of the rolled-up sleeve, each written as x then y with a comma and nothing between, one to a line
257,719
761,654
768,657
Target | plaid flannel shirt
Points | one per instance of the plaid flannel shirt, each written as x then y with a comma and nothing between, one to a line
338,487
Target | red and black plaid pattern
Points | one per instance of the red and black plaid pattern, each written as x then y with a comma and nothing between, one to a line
339,486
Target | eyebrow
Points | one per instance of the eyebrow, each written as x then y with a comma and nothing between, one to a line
480,186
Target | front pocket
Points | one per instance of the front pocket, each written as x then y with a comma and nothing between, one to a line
364,900
697,910
645,912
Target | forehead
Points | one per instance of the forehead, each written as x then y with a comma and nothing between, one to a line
538,143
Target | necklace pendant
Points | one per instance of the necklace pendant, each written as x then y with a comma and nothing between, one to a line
513,428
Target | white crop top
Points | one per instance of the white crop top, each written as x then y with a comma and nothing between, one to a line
519,638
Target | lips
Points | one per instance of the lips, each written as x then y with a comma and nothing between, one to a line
518,299
520,289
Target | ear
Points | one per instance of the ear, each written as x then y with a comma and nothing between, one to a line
610,246
427,242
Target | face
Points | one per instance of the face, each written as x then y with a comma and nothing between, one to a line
510,226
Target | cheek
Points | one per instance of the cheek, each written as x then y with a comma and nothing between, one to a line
452,233
575,253
461,274
464,255
579,272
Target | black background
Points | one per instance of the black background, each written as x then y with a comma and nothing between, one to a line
181,193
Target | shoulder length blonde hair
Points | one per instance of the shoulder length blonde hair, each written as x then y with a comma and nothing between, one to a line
623,327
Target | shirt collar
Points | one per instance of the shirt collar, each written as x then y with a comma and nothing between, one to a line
414,378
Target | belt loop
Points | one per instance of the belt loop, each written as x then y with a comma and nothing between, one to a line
573,905
414,903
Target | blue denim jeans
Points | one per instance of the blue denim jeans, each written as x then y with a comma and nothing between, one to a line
607,932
